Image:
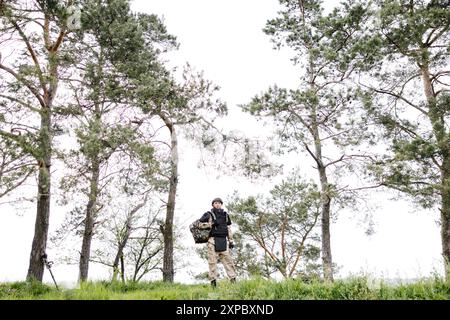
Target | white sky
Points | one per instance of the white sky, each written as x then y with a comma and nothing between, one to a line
225,39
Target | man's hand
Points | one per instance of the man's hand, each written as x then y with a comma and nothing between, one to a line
231,245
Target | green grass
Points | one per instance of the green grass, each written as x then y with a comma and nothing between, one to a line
357,288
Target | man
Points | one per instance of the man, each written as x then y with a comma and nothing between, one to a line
217,242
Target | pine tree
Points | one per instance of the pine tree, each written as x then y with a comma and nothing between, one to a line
406,55
37,30
320,115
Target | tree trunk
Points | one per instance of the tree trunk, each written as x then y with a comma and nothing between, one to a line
168,267
327,261
89,222
445,218
95,178
39,245
117,259
123,242
443,142
121,245
122,269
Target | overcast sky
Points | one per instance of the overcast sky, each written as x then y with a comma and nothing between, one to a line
225,39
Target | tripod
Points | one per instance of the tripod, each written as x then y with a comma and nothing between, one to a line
49,264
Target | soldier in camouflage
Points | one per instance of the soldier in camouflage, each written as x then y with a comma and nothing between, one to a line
218,246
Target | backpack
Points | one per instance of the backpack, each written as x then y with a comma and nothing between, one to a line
200,230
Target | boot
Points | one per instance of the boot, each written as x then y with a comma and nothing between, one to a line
213,283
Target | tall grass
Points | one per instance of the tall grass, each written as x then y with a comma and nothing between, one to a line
357,288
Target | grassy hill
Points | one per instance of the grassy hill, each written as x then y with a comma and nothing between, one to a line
255,289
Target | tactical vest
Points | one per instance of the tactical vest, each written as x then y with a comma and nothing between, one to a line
221,229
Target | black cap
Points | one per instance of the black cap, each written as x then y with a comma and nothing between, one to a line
217,200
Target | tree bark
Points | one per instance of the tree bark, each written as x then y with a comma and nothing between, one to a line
327,260
89,222
122,269
168,267
39,245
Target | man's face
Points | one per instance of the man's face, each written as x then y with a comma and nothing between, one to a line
217,205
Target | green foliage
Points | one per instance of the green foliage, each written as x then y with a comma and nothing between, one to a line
324,112
16,165
414,149
28,87
111,23
405,27
155,32
403,50
281,226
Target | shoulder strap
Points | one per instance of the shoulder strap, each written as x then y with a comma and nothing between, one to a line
213,215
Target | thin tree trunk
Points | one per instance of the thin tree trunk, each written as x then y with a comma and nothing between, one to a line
89,222
140,261
122,269
121,245
327,261
95,162
123,242
168,267
116,262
